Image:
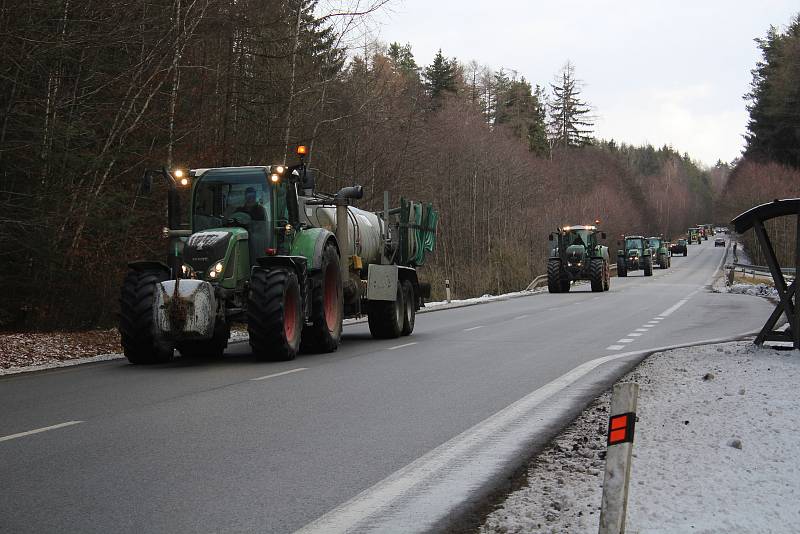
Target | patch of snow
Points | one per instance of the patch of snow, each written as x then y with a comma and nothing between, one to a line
757,290
716,451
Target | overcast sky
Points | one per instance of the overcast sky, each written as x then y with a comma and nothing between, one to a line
663,72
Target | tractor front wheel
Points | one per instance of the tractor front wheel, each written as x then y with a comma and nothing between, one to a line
554,276
597,274
136,321
606,276
325,330
385,317
274,314
621,269
648,266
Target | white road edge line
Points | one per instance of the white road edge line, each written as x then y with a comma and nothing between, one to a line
401,346
413,498
38,430
473,328
273,375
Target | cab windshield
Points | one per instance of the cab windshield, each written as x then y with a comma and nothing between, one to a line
653,243
634,243
221,193
578,237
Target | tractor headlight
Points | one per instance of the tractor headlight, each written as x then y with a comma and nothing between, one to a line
216,270
187,270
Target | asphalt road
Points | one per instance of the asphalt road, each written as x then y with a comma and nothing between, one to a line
243,446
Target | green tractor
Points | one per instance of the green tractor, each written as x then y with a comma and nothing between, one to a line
659,252
263,248
575,254
634,254
694,235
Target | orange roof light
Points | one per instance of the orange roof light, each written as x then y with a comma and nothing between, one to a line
302,150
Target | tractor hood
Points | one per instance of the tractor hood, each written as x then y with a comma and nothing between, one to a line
575,253
205,248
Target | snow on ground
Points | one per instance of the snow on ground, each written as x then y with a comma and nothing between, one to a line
757,290
716,451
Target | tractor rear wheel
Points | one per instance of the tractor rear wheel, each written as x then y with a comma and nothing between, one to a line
325,330
136,321
597,274
554,276
274,314
410,305
385,317
648,266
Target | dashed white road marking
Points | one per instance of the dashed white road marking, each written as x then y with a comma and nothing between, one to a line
38,430
657,319
520,317
647,326
273,375
634,334
401,346
615,347
669,311
625,340
641,330
473,328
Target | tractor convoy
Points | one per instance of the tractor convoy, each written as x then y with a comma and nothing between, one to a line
264,248
261,247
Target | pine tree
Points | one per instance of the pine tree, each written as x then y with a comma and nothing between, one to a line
403,58
774,125
570,124
440,76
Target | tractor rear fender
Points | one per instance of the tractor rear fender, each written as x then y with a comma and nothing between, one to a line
149,265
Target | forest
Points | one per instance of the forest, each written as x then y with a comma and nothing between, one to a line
95,92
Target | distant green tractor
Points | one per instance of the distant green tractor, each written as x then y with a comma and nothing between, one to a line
659,251
633,255
575,254
694,235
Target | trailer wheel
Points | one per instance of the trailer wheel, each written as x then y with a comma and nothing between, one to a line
136,326
597,274
410,305
648,266
274,314
385,317
325,331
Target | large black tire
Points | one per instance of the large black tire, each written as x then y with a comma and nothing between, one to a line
648,266
327,308
274,314
606,276
208,348
385,317
410,306
136,326
622,269
554,276
597,274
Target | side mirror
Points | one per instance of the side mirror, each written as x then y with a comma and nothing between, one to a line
550,237
602,235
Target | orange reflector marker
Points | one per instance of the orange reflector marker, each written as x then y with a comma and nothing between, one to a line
620,428
302,150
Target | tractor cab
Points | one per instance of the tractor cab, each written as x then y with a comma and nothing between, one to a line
236,215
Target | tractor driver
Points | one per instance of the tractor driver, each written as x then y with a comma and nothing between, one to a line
250,207
578,240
